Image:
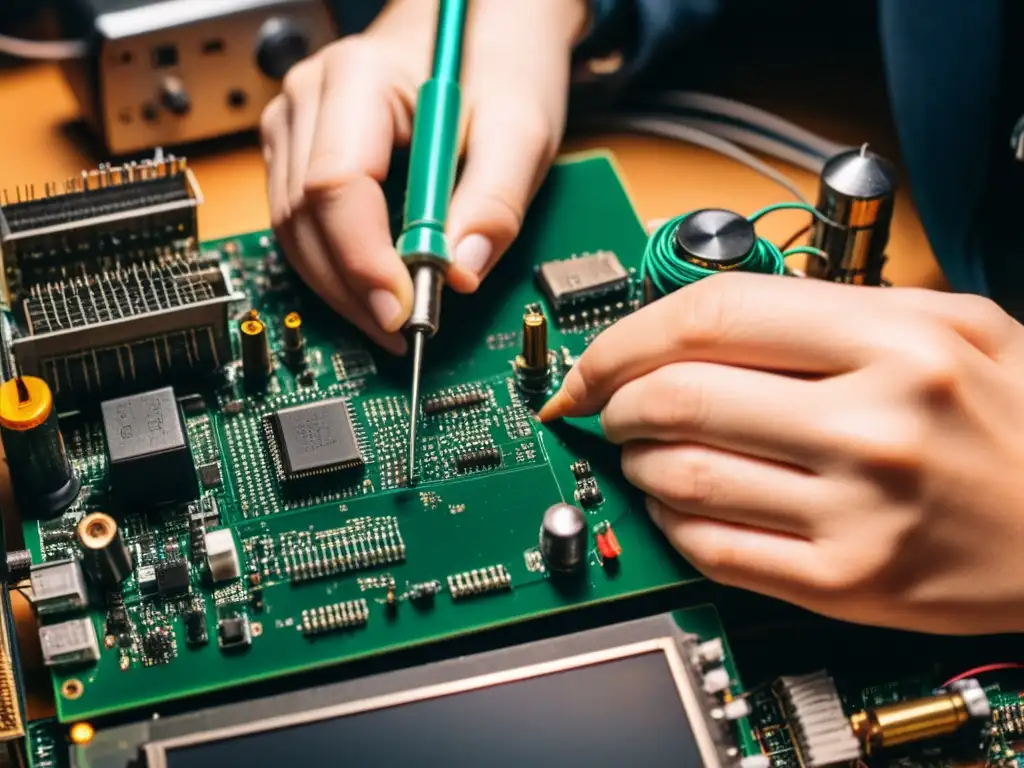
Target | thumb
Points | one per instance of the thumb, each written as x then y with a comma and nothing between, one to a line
507,155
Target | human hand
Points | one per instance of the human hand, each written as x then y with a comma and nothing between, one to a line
328,139
857,451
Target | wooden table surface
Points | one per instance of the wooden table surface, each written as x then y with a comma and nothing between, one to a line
40,142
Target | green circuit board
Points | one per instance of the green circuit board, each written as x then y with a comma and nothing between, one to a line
338,571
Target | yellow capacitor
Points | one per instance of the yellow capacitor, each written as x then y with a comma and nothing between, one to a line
535,341
43,479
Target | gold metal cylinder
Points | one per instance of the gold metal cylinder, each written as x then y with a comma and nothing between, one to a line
910,721
535,341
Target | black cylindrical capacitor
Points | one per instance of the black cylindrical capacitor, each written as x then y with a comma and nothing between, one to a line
563,537
857,194
294,343
255,353
43,479
104,552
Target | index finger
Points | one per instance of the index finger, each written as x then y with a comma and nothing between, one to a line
756,321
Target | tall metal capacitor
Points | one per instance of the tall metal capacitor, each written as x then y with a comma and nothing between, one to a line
857,194
42,477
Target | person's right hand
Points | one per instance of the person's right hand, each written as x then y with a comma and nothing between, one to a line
328,138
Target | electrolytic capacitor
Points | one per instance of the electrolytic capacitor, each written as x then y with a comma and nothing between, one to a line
857,195
43,479
533,366
563,537
106,556
294,343
255,353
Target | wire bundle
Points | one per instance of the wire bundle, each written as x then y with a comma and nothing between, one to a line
668,272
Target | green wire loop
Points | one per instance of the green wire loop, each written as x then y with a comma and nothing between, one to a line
668,272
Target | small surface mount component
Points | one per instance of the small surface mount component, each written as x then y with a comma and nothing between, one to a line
821,729
222,556
484,458
150,460
454,401
607,542
195,627
70,642
479,581
210,475
172,578
146,578
423,592
312,439
158,645
591,277
57,587
331,618
234,633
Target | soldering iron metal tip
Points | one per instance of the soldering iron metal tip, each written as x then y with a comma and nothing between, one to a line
418,339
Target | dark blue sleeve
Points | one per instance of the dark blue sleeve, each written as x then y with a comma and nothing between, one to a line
943,65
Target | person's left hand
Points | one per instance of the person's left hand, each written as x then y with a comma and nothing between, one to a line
857,451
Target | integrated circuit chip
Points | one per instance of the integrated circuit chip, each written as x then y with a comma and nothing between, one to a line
595,276
312,439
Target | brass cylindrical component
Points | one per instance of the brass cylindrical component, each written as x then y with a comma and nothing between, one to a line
294,343
535,341
104,552
255,352
909,721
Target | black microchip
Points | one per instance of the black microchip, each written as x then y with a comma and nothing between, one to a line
158,643
117,620
149,456
172,578
312,439
209,475
233,632
195,627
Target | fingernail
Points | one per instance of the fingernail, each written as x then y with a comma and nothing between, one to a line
474,253
554,408
386,308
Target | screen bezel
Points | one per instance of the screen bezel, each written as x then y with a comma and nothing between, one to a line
157,752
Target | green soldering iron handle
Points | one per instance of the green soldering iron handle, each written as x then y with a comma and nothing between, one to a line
434,151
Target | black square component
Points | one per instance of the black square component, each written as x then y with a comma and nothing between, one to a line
312,439
172,578
149,456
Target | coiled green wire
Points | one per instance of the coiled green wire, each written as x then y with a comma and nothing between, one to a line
668,272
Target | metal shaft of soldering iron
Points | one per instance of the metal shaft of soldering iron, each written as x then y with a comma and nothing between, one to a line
432,160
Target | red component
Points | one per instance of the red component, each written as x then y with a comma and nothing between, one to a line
608,544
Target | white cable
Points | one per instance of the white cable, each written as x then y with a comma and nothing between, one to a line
754,116
50,50
755,141
658,126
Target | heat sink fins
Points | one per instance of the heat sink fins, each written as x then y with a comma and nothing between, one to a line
821,729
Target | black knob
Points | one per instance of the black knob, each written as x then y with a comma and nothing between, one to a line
174,97
282,44
714,238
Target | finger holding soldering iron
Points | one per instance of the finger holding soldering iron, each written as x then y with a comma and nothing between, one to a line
516,76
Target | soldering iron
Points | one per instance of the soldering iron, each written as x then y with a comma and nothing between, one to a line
433,157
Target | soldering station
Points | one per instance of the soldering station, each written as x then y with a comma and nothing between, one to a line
252,538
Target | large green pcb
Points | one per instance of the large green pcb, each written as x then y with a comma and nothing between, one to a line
366,534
